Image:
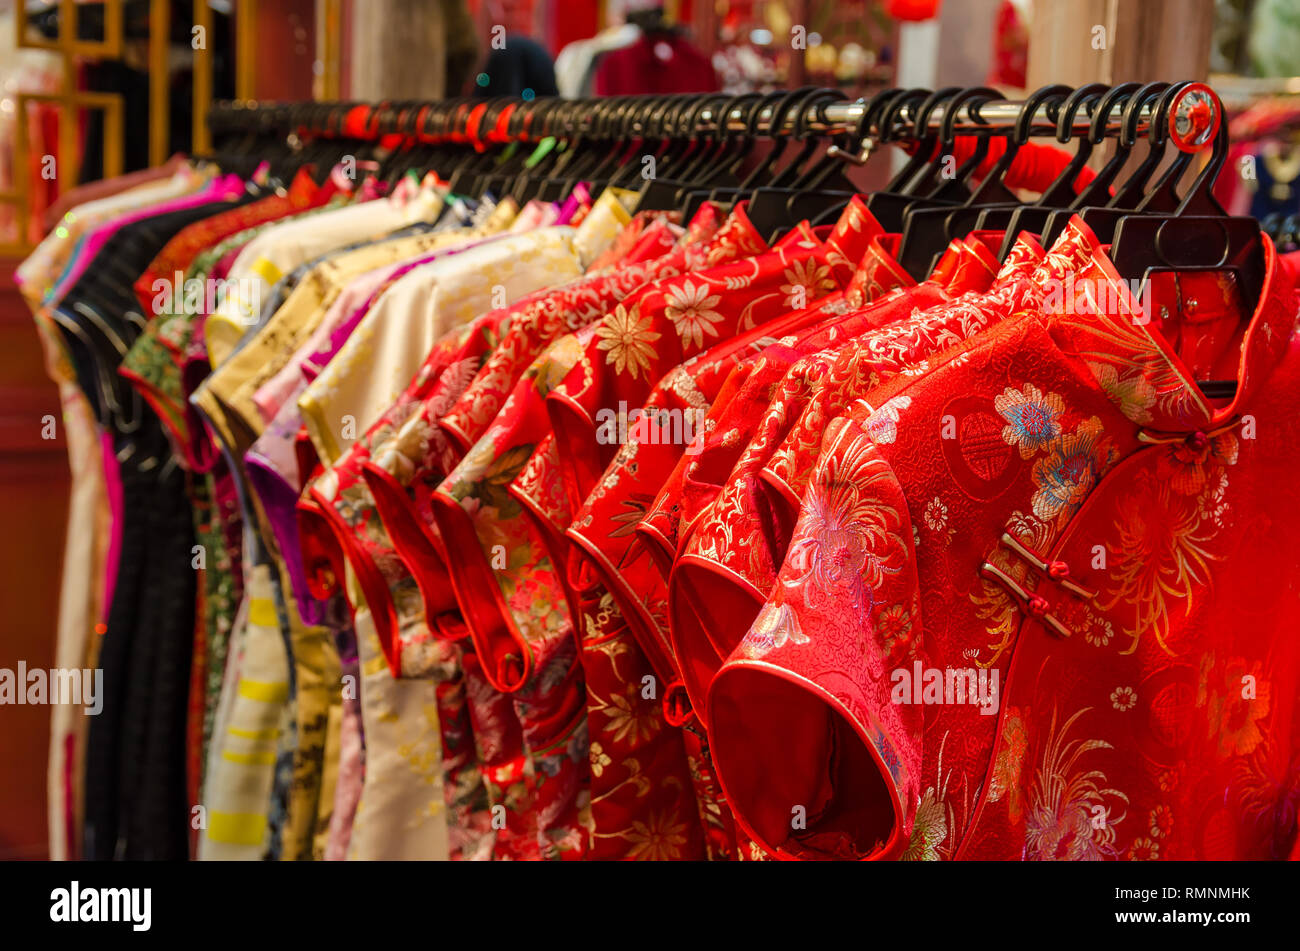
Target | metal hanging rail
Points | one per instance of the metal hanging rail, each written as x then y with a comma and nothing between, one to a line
1194,114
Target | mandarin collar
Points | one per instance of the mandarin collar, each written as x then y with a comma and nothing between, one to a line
1101,320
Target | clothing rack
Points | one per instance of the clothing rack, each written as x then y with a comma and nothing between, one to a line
1194,115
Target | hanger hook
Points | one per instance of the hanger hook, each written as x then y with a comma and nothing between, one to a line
1025,121
782,109
948,127
921,123
1158,132
893,126
866,135
816,103
1133,111
1116,98
1083,96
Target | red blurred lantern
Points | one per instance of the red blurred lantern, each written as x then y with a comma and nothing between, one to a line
914,10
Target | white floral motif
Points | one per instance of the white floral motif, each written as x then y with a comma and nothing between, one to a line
690,308
806,281
883,424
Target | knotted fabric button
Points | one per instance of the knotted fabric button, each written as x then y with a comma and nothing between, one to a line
676,704
1058,570
1038,606
1198,441
510,671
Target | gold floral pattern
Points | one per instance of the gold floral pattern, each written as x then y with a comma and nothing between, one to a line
627,337
849,537
1161,555
657,839
1123,698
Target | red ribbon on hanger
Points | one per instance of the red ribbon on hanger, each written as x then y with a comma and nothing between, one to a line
354,125
457,133
1035,166
471,127
500,134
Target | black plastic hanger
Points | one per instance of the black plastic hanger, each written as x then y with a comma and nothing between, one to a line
471,173
724,153
992,192
824,184
889,204
855,150
729,194
1198,236
1097,192
639,136
609,136
1061,193
924,236
935,174
541,180
998,217
764,172
511,164
769,206
673,165
541,177
559,171
1130,194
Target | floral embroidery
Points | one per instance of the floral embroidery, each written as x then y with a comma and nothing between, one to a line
775,625
992,602
936,515
929,829
658,839
894,627
1188,468
1144,850
1212,502
690,308
806,281
1162,821
883,424
399,455
628,338
934,821
1236,699
1123,698
936,519
995,607
848,539
1167,780
630,719
1269,788
1132,392
1097,629
1005,780
1064,798
1033,420
599,759
1067,473
1161,554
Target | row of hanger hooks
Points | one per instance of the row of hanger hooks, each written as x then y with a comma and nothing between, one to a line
1188,114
